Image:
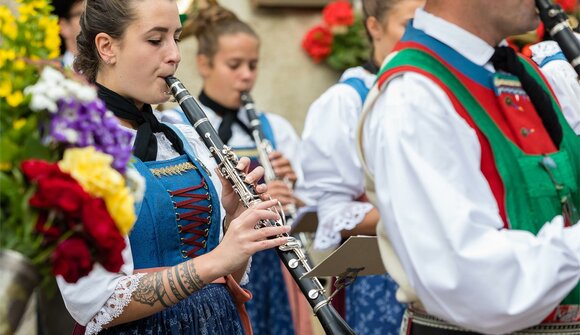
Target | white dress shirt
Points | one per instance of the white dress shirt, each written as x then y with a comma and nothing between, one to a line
440,213
333,176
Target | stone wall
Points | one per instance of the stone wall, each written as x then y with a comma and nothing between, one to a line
288,81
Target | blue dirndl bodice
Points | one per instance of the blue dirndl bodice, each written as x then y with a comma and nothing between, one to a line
179,219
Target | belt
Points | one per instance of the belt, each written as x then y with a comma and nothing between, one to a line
418,323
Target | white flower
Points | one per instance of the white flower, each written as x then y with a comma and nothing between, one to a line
51,75
56,92
71,136
40,102
136,183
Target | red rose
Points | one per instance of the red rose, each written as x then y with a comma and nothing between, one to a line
569,6
72,259
102,229
317,43
338,13
60,192
35,169
112,259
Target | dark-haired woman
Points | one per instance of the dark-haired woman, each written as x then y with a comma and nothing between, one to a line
186,242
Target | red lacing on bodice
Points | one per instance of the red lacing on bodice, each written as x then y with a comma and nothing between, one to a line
198,226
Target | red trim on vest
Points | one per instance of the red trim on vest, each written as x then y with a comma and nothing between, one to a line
518,121
487,163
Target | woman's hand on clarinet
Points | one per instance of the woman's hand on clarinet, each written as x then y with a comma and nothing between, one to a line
230,199
282,167
242,239
280,190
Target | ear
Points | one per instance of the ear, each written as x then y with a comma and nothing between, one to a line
375,28
203,65
105,47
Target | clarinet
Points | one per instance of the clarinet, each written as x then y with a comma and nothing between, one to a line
290,253
557,25
264,147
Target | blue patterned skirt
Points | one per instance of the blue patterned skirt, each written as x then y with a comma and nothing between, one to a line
269,309
207,312
371,307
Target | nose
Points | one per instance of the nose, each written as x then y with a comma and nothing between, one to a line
248,73
173,54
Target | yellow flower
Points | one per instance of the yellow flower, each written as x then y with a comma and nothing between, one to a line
17,124
5,89
5,166
15,99
9,29
92,170
121,207
19,65
25,11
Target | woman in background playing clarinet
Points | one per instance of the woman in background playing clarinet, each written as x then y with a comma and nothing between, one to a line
190,232
227,60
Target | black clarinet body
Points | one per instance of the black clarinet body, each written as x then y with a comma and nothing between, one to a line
556,22
264,148
263,145
290,253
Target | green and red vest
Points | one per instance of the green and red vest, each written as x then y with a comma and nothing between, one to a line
532,179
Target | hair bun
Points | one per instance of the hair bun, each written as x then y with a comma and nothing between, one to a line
200,20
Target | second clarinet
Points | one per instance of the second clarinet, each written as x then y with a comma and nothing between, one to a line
264,148
290,253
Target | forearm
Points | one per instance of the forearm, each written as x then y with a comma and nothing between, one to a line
162,289
366,227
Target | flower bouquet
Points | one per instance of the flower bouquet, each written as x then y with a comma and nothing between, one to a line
67,191
340,40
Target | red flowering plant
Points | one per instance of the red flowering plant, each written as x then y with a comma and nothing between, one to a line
340,40
67,190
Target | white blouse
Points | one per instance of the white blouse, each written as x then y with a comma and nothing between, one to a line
102,296
333,175
440,213
563,79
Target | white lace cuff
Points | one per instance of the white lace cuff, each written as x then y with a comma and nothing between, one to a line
246,277
115,305
328,232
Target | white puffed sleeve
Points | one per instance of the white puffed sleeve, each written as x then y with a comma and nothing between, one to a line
333,174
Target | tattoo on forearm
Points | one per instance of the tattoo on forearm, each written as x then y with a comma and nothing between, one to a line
161,291
181,285
151,289
190,277
171,282
145,292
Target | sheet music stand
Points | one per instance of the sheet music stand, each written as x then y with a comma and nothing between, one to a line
358,254
306,220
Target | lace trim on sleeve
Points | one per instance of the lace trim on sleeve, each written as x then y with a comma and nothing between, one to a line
246,277
328,234
115,305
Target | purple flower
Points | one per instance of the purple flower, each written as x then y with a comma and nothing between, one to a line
82,124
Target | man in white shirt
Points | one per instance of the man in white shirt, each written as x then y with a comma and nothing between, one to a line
476,174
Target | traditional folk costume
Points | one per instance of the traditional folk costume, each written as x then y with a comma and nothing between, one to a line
269,309
179,218
472,189
335,179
